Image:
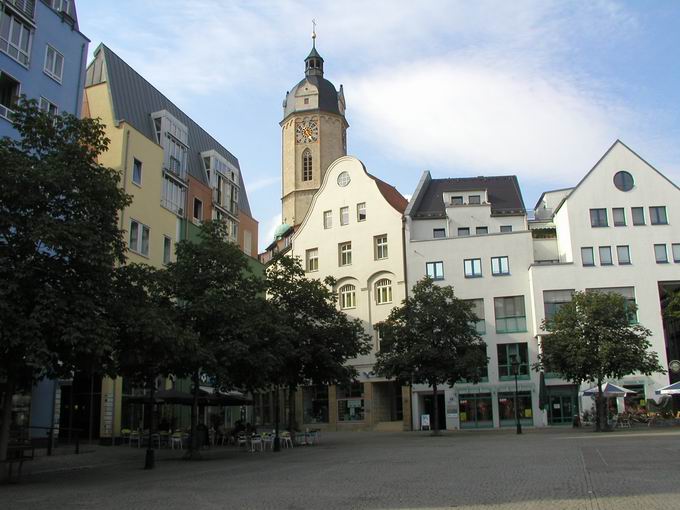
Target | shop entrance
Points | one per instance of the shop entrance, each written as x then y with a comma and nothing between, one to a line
562,405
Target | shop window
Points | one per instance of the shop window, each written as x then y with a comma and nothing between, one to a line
350,402
315,404
506,408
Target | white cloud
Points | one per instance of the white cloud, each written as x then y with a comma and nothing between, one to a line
465,114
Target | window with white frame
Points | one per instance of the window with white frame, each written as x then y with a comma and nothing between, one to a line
48,107
15,38
435,270
587,256
361,211
327,219
605,255
344,216
500,266
623,254
472,268
167,249
380,243
62,6
139,238
676,252
137,172
348,297
54,64
345,253
172,195
10,89
312,259
660,253
383,291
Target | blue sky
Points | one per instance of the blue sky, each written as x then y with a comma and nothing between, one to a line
535,88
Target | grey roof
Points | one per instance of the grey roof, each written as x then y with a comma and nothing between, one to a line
328,96
503,193
135,99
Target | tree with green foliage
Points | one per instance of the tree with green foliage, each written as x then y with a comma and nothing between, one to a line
672,310
149,338
216,300
59,243
431,338
594,338
313,339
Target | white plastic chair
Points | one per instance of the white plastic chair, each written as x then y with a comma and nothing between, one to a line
242,440
267,440
286,440
135,437
256,443
176,440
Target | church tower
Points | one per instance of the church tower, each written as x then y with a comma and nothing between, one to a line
313,133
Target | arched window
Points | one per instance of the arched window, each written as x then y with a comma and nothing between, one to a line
348,297
383,291
307,165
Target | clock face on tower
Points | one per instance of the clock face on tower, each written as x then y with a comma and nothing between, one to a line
306,132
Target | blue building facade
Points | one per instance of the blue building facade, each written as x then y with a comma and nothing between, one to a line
42,56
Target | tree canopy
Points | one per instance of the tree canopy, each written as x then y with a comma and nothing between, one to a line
596,337
59,242
431,339
313,339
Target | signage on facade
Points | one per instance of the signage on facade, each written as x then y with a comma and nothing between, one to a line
354,403
674,366
425,422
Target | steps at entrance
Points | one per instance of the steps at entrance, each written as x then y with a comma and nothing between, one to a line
389,426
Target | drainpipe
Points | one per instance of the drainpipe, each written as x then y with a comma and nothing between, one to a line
125,173
403,254
81,83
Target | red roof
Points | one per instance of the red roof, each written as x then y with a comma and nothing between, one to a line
390,193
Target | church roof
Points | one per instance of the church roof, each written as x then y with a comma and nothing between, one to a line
328,96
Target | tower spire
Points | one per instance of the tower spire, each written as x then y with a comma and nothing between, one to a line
313,33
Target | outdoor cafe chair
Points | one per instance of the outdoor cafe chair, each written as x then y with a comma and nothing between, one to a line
242,440
135,437
176,440
125,435
268,440
256,442
286,440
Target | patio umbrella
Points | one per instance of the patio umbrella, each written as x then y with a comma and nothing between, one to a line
671,389
609,390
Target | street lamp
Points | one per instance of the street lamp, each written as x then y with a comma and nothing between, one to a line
514,363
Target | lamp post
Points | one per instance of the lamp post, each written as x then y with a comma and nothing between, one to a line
514,363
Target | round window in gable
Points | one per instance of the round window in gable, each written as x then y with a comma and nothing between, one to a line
343,179
623,181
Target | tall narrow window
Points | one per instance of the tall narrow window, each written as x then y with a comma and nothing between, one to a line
619,214
139,238
361,211
198,209
345,254
605,255
167,249
344,216
380,247
313,259
327,219
137,172
477,307
15,38
623,254
676,252
383,291
307,165
587,256
10,89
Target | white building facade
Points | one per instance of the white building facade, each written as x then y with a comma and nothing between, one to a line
614,231
353,233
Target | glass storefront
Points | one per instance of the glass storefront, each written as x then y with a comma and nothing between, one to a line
475,410
351,402
506,408
315,404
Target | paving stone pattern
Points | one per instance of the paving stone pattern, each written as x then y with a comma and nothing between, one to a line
561,469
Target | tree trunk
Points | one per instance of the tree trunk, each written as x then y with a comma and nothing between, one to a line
435,429
194,446
600,411
291,408
6,415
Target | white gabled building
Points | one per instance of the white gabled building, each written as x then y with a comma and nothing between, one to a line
614,231
353,232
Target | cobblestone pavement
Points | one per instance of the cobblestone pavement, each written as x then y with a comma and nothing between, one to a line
561,469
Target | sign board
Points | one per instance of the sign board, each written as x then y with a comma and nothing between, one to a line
354,403
424,421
